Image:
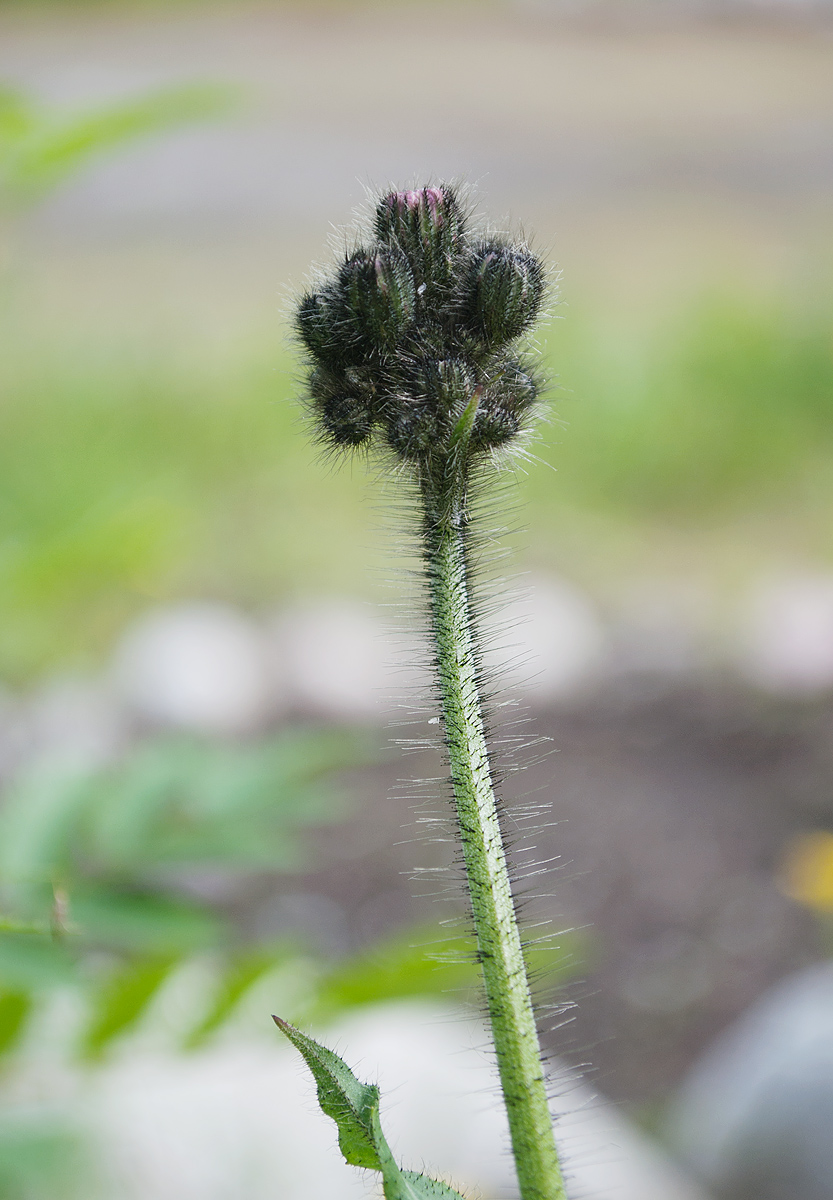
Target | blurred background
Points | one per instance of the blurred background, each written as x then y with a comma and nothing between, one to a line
204,651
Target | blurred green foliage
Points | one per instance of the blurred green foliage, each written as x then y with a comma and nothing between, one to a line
425,961
173,802
725,408
115,842
120,845
39,148
41,1157
127,479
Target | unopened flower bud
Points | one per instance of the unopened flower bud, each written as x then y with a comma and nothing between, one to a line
447,384
411,335
314,325
504,404
347,420
412,428
396,289
427,224
400,213
374,299
343,403
434,394
501,292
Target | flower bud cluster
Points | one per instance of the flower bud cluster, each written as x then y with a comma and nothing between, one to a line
414,335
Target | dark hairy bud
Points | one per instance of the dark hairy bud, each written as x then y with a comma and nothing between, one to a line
347,419
502,291
429,216
313,323
395,295
373,300
506,402
412,335
446,384
433,398
343,401
427,225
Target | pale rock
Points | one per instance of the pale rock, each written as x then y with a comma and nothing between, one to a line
754,1117
338,659
544,643
200,666
786,636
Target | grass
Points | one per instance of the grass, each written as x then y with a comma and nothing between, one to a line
130,476
127,478
726,408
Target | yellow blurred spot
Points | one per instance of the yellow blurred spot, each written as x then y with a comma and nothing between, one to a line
806,872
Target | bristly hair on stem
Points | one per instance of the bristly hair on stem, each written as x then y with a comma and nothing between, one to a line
414,345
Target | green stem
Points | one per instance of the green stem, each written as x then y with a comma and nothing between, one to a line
493,910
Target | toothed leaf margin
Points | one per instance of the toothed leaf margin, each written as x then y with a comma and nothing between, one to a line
354,1106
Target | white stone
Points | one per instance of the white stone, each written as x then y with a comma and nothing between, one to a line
338,659
755,1115
199,666
545,642
786,642
70,721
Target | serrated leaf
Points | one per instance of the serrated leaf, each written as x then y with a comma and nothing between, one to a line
351,1104
420,1187
354,1106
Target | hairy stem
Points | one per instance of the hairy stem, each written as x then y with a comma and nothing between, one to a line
495,922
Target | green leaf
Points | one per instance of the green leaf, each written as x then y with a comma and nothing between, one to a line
40,813
114,838
461,432
31,962
354,1106
42,1157
122,1001
14,1009
38,150
12,925
421,961
350,1104
180,800
426,961
420,1187
408,1185
242,975
145,922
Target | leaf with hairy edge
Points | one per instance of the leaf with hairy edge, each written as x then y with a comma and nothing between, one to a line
354,1107
350,1104
420,1187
